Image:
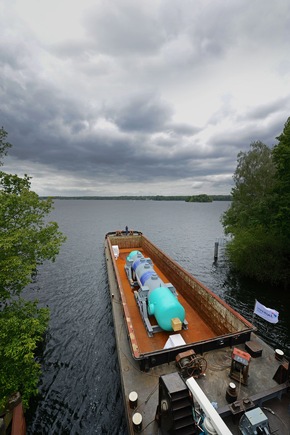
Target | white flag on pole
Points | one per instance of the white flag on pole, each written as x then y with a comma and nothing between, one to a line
266,313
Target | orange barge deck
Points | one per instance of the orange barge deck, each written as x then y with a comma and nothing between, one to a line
200,331
211,322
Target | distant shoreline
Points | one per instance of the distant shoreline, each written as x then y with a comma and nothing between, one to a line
188,198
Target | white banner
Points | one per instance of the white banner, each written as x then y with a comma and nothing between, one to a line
266,313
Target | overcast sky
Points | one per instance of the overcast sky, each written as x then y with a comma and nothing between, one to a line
140,97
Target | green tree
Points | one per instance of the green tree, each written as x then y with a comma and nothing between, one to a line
255,250
281,200
22,326
26,240
3,144
254,180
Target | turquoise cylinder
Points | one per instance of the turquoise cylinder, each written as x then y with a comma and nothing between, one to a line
165,306
134,255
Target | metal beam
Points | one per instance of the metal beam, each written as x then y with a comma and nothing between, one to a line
207,408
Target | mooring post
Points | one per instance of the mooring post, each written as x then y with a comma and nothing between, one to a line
216,250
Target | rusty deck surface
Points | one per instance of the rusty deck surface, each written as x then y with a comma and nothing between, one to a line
197,330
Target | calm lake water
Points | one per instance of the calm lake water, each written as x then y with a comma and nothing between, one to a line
80,390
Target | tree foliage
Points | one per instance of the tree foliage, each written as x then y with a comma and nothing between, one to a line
4,145
254,181
26,240
281,157
22,326
259,213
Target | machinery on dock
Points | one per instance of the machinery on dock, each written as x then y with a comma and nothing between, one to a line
153,296
254,422
183,408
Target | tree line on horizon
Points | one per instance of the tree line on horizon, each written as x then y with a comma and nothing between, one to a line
186,198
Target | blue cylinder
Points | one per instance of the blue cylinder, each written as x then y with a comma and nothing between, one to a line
138,262
165,307
154,281
147,275
140,266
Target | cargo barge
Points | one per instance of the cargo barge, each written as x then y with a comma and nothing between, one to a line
189,363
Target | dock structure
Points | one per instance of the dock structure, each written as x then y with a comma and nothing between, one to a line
265,380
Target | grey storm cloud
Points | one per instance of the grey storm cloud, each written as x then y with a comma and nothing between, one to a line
160,93
143,113
120,28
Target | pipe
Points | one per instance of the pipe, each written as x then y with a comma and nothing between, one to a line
215,419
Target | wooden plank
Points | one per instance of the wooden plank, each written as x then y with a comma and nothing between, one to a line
18,421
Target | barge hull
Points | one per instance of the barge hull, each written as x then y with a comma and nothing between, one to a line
267,387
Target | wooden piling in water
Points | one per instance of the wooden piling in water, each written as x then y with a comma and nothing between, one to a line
216,250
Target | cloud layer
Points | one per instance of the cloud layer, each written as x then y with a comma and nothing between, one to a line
148,97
